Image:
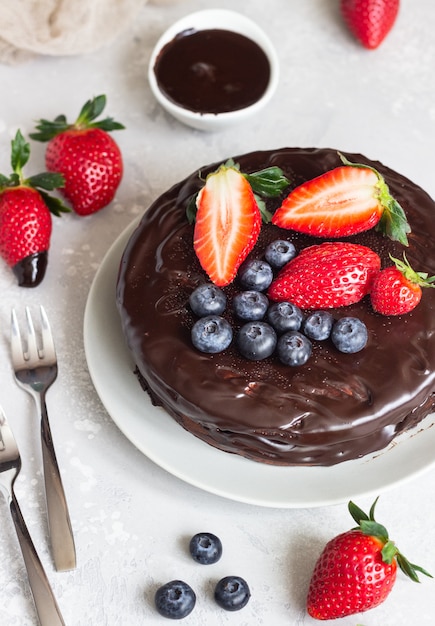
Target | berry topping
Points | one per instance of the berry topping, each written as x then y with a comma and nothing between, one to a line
279,252
397,290
370,20
332,274
250,305
256,341
349,335
284,316
205,548
318,325
232,593
207,299
255,274
344,201
175,600
211,334
294,348
356,570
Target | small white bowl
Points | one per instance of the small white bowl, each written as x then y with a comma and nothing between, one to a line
225,20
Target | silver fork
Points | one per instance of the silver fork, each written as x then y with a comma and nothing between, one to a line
10,465
35,370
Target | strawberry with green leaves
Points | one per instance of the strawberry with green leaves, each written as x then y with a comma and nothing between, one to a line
228,213
356,570
87,156
25,216
327,275
344,201
398,289
370,20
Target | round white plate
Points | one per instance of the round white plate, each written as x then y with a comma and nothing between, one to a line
166,443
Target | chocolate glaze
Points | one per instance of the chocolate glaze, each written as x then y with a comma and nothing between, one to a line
212,71
30,271
334,408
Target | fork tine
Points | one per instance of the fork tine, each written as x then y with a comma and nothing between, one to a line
47,336
16,343
32,355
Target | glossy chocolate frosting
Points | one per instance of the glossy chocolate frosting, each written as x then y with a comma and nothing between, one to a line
336,407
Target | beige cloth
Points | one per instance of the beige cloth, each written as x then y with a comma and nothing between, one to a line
61,27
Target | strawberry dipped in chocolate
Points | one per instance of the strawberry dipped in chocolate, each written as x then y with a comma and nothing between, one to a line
25,216
87,156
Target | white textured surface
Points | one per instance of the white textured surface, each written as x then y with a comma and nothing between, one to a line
131,519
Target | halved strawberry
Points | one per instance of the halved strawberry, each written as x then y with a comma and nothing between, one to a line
227,226
344,201
332,274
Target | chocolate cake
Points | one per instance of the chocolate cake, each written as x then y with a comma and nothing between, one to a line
334,408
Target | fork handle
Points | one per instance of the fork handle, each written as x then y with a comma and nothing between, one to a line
61,535
45,602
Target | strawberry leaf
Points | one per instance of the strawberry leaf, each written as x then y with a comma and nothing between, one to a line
370,527
54,205
268,182
20,153
46,180
192,209
357,513
393,222
266,216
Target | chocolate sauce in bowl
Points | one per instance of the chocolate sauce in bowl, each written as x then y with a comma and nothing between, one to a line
212,71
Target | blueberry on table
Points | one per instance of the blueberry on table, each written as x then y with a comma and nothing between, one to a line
318,325
205,548
279,252
255,274
349,335
211,334
207,299
294,348
284,316
250,305
175,600
232,593
256,341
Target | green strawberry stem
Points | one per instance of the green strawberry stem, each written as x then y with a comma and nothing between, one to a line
393,222
86,119
419,278
369,526
46,181
266,183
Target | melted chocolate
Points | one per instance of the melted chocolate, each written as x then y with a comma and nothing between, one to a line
334,408
30,271
212,71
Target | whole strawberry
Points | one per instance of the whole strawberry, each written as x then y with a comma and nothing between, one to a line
25,216
331,274
356,570
398,289
370,20
86,155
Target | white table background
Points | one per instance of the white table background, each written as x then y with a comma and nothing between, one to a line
131,519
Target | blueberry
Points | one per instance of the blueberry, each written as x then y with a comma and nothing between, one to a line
255,274
284,316
205,548
349,335
294,348
175,600
211,334
318,325
232,593
279,252
256,341
207,299
250,305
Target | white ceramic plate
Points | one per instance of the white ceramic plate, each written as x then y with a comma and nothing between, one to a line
166,443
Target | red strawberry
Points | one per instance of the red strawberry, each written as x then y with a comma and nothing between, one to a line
227,226
344,201
86,155
25,219
332,274
370,20
397,289
356,570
